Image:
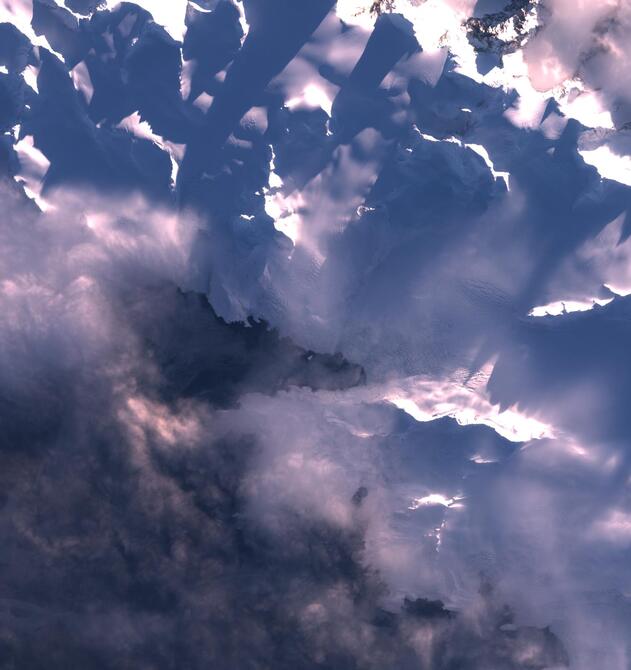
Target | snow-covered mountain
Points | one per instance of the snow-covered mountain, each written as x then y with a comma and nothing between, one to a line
314,335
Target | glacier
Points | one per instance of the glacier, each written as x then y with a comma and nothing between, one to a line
314,335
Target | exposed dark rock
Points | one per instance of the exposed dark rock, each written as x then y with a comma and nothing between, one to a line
486,33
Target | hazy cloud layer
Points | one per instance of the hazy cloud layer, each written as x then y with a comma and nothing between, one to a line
203,205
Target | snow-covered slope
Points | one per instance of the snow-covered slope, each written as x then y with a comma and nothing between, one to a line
314,336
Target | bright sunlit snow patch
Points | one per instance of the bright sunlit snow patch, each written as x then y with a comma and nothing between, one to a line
480,460
186,77
138,128
586,106
609,165
619,289
477,148
312,97
426,399
168,13
81,80
434,499
284,211
355,12
245,26
574,99
608,256
62,4
200,8
30,77
567,306
513,75
281,208
481,151
20,14
437,24
142,130
33,168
